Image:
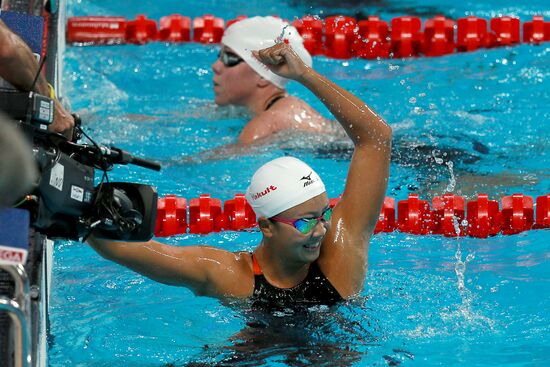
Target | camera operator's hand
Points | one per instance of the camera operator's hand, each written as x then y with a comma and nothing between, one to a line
63,121
19,67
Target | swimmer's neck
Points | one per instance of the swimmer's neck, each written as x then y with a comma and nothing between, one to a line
263,99
281,271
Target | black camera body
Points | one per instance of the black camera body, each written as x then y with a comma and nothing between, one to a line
65,203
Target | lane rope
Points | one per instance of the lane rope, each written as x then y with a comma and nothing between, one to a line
338,37
449,215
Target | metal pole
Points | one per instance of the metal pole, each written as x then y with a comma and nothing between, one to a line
21,317
22,287
22,356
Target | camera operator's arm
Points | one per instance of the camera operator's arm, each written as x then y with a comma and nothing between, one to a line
207,271
18,66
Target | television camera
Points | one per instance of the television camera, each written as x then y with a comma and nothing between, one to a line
65,203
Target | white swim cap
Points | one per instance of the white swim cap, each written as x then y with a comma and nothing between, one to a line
281,184
253,34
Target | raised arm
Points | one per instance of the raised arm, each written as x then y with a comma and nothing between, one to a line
345,248
18,66
367,178
207,271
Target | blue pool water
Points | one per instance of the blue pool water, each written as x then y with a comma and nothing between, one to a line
469,123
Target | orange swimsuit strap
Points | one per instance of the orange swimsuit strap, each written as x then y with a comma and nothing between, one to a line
257,269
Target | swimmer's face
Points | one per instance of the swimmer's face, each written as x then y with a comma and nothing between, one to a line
234,82
296,245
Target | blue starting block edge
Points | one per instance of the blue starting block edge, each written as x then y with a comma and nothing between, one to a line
29,27
14,236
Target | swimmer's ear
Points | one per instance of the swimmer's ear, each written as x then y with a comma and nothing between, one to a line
265,226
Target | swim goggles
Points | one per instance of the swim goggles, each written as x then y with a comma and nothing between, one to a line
229,59
305,225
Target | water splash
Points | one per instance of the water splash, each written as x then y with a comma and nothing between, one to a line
465,310
460,270
452,180
450,166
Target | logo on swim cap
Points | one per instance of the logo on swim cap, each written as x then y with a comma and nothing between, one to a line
267,190
308,179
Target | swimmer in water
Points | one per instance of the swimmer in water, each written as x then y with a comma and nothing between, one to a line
240,79
309,254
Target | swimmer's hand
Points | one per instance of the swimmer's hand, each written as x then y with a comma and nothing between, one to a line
283,61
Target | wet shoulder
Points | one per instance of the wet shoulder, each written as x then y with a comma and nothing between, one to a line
293,112
237,280
293,104
245,264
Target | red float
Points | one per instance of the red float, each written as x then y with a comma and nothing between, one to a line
505,31
202,212
414,215
483,217
536,31
175,28
311,30
471,34
543,212
438,36
240,214
96,30
386,219
141,30
208,29
171,216
517,213
340,35
405,36
448,215
373,42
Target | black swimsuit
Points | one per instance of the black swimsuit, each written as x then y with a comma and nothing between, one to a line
273,101
314,290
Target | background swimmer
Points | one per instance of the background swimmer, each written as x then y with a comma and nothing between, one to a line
242,80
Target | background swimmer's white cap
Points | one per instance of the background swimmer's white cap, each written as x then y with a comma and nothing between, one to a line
253,34
281,184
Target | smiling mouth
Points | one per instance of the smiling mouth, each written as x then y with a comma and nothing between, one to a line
312,246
